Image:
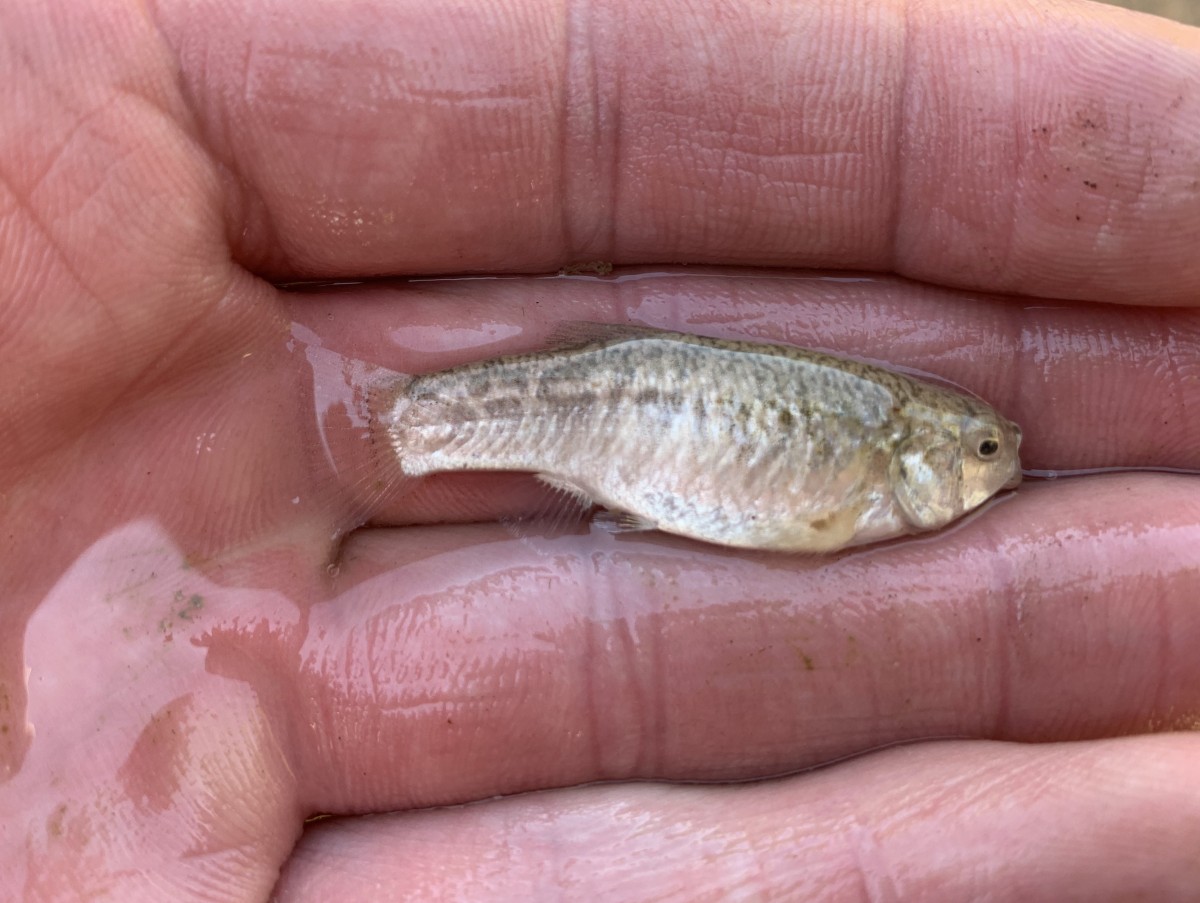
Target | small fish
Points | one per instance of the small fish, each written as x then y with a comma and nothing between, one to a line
740,444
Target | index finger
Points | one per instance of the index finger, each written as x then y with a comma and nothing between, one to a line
1044,149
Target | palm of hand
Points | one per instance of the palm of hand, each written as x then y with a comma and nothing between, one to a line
200,680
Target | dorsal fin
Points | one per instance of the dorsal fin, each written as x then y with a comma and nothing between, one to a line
578,333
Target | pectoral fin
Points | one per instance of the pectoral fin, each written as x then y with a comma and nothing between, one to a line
834,531
926,478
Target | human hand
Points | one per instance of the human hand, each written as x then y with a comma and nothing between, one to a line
187,679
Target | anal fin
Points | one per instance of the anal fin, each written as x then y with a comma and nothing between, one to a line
564,511
571,507
567,488
622,522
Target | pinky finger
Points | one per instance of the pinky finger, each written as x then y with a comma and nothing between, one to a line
1106,820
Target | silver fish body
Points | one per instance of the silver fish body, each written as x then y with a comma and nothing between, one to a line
735,443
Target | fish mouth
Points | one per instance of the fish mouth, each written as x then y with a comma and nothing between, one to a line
1014,481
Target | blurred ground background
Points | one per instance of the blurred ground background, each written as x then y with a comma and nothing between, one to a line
1182,10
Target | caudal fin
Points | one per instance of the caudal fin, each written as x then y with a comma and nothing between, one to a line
356,466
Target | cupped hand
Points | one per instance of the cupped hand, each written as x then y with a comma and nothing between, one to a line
198,655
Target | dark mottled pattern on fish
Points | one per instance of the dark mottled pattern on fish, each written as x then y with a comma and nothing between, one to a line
747,444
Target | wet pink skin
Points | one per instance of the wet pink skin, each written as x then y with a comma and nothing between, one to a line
197,657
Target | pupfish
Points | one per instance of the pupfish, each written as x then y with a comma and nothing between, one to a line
746,445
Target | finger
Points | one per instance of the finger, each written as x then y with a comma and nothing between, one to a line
1114,820
1092,386
1046,150
1067,612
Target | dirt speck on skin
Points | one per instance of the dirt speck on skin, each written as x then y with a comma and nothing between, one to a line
852,653
54,824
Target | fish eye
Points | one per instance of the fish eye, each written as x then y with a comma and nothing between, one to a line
988,447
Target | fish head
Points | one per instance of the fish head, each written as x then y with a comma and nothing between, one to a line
991,458
949,466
